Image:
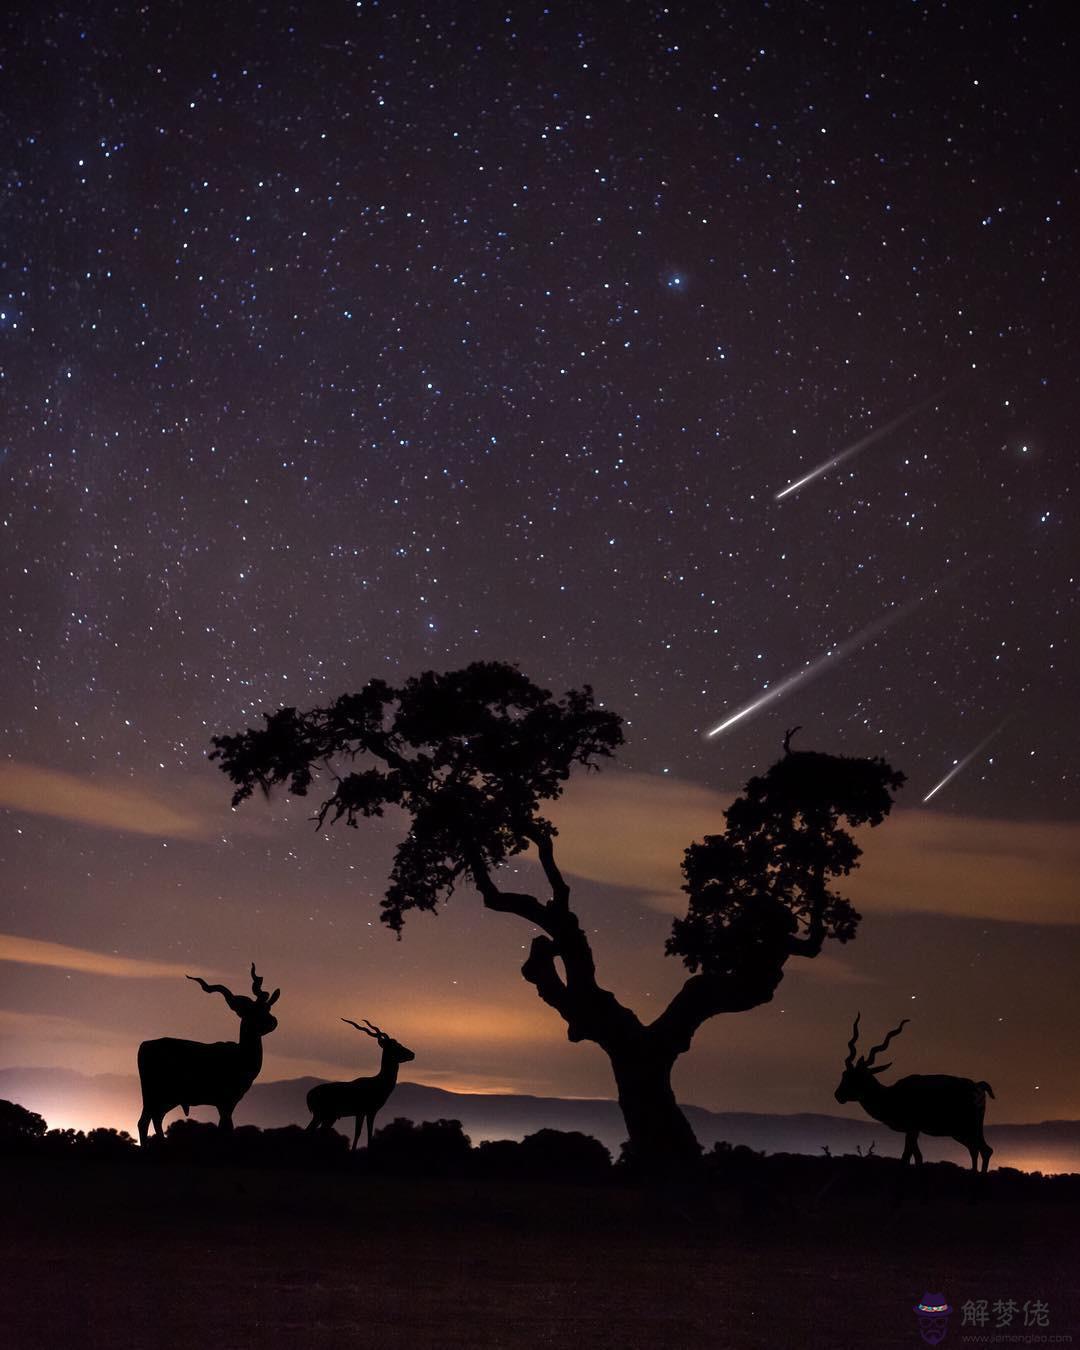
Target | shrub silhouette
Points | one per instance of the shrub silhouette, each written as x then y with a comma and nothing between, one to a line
194,1141
547,1155
106,1144
61,1143
293,1146
433,1148
19,1128
289,1147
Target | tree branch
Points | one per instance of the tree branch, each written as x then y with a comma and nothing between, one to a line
810,943
704,996
590,1012
560,891
507,902
540,970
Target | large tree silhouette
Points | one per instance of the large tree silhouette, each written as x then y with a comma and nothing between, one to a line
471,754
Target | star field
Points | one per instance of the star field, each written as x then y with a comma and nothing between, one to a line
356,339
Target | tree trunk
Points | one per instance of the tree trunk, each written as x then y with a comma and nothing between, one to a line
660,1139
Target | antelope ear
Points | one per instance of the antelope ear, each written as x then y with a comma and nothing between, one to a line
274,998
880,1068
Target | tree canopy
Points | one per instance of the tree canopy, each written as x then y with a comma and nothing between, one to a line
469,754
758,892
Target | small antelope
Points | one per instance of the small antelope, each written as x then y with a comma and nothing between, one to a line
937,1104
194,1073
363,1097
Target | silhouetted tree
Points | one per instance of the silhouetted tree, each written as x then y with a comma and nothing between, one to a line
565,1153
293,1146
432,1148
196,1140
19,1127
547,1155
110,1143
62,1143
470,755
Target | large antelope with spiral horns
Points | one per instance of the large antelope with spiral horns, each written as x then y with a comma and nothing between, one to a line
937,1104
362,1097
194,1073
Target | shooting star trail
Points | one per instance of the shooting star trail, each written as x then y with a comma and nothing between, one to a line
963,763
859,446
832,657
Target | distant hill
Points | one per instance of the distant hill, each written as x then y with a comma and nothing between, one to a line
67,1098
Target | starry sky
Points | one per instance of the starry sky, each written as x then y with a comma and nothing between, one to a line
352,340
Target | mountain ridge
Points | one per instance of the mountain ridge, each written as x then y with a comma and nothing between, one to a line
68,1097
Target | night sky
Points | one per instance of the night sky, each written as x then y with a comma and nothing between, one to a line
342,341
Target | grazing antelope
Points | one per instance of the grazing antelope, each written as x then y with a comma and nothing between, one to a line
363,1097
193,1073
936,1104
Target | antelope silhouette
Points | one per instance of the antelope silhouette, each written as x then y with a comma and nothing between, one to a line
362,1097
936,1104
194,1073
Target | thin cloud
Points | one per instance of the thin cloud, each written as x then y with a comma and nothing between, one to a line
43,1040
34,952
54,1027
630,830
831,969
1013,871
466,1023
111,806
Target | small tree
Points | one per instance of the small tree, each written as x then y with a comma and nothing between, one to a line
430,1148
470,755
19,1127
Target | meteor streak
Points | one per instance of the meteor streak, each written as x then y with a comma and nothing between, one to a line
963,763
858,446
833,656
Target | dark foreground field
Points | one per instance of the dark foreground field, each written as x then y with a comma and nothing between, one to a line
159,1256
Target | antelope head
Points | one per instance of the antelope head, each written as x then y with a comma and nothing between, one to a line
859,1073
254,1013
387,1044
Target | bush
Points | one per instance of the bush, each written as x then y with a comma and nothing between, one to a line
204,1143
192,1140
290,1146
434,1148
547,1155
19,1128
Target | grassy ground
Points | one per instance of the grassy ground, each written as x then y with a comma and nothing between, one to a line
104,1255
